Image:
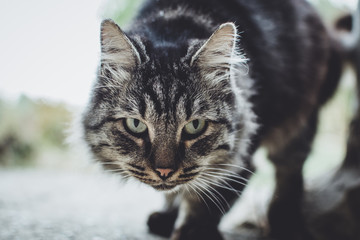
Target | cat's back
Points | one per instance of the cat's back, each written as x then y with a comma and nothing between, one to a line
285,41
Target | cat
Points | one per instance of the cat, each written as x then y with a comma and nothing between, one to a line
185,97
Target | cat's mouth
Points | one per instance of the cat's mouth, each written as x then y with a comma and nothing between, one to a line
171,185
160,179
164,187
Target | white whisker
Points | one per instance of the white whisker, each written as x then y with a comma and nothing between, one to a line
225,172
220,184
238,192
198,194
207,182
212,198
224,178
235,166
115,170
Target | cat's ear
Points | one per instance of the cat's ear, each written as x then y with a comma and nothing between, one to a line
218,53
116,47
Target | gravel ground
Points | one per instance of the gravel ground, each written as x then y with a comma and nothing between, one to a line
60,205
39,204
86,205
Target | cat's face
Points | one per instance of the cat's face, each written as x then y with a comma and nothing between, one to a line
165,115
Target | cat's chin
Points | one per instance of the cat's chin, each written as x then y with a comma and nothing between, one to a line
165,187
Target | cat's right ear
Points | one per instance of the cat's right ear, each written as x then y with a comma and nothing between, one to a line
218,55
116,47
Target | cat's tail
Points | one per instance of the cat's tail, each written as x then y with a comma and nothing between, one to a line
351,44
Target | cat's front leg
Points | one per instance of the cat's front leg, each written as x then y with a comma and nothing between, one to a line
205,202
162,222
285,215
196,221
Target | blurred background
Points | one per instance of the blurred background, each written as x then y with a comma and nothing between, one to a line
49,55
49,51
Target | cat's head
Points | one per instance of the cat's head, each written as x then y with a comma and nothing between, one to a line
168,114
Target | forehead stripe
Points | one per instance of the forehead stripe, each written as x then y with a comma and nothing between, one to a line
142,106
154,98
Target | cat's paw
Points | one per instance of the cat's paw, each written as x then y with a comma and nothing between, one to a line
197,231
162,223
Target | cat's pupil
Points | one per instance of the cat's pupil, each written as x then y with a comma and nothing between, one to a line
136,123
195,124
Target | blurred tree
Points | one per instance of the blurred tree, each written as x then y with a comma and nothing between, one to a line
329,11
28,128
120,11
123,11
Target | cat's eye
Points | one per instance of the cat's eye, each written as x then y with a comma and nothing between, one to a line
195,127
135,126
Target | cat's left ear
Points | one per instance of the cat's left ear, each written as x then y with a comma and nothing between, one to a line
116,47
218,53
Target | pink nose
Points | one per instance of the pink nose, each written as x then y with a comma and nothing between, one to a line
164,172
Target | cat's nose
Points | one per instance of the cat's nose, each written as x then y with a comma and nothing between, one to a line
164,172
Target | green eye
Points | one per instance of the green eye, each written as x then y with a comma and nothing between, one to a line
135,125
195,127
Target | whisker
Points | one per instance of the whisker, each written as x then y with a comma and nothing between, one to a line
225,178
141,174
222,169
235,166
221,185
238,192
126,177
136,167
201,189
115,170
123,173
226,173
212,198
214,190
107,163
198,194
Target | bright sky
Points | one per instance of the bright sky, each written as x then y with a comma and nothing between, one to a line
49,48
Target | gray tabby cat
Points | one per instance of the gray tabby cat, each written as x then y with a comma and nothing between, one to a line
186,96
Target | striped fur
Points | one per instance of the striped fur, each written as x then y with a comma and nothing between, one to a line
256,72
169,95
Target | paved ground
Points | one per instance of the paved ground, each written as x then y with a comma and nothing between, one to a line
38,204
61,205
69,205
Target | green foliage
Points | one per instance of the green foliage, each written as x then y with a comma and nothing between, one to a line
29,127
329,11
121,11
